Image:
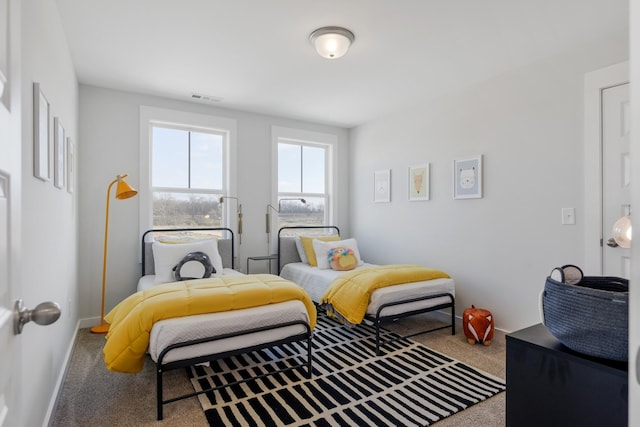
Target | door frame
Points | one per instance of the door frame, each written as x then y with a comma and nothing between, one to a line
594,83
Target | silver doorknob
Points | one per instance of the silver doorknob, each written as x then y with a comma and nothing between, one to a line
44,314
612,243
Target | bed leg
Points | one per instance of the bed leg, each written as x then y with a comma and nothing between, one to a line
453,319
309,350
159,392
377,337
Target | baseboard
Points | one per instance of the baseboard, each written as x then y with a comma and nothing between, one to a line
60,381
87,323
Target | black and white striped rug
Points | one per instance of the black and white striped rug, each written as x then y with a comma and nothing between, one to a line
408,385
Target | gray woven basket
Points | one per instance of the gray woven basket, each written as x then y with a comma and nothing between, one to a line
590,317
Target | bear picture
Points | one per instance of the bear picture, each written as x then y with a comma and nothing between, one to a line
467,178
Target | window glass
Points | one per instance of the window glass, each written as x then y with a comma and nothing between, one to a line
302,195
170,151
313,169
206,161
187,177
289,168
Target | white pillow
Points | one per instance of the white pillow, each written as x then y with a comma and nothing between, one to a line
168,255
322,250
301,253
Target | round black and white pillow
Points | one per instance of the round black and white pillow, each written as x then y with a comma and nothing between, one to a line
191,257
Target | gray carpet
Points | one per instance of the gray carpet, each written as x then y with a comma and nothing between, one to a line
93,396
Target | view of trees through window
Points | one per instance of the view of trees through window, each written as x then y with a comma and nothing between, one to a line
302,176
187,177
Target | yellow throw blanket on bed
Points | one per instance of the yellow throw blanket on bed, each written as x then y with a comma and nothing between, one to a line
349,294
132,319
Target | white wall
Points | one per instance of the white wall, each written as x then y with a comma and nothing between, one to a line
109,130
49,214
528,126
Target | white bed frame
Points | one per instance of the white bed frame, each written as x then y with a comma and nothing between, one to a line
288,253
226,249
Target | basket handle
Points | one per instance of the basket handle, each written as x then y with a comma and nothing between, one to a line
541,306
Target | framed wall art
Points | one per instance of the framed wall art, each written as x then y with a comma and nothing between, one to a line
419,182
382,186
40,134
467,178
60,141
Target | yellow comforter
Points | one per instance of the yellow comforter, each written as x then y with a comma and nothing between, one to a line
349,294
132,319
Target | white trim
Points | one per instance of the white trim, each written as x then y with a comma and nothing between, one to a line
180,118
62,375
594,83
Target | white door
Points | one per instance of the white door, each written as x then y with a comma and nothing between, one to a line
10,190
616,176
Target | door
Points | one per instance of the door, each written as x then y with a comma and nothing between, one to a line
616,176
10,190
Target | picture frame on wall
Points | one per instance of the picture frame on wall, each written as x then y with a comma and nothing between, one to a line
419,182
382,186
59,139
40,134
70,165
467,178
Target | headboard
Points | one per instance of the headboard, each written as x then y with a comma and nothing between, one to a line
226,246
287,251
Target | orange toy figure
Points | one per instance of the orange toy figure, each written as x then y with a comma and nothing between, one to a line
477,324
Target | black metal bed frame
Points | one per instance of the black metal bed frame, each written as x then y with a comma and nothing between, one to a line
162,367
379,320
173,230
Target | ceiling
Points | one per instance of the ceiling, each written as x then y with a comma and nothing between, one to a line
254,55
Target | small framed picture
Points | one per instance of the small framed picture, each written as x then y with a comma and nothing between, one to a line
40,134
70,164
419,182
467,178
382,186
60,141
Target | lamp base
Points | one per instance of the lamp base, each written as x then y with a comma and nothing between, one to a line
100,329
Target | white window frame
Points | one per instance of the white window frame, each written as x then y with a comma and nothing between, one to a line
153,116
310,138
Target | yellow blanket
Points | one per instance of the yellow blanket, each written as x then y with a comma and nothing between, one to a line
349,294
132,319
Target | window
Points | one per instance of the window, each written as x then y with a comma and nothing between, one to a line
185,168
303,177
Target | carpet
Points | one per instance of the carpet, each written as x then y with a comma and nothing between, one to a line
407,385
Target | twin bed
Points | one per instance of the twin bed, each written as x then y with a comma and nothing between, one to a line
197,335
198,338
385,304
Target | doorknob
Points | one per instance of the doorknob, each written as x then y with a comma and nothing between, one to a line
44,314
612,243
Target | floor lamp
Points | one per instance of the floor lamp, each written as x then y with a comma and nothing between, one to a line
123,191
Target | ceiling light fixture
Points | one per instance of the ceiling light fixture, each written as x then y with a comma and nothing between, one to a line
331,42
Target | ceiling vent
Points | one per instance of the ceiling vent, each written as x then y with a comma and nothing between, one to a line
206,98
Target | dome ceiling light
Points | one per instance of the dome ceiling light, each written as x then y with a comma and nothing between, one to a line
331,42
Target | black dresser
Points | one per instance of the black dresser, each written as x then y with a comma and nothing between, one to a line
550,385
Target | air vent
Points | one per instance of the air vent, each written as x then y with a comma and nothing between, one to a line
206,98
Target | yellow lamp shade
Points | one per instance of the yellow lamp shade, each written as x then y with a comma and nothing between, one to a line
124,190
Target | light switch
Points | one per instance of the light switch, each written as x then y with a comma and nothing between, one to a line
568,216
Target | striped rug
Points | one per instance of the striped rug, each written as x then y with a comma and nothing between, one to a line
409,385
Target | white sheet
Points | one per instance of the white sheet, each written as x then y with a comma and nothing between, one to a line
316,281
148,281
172,331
